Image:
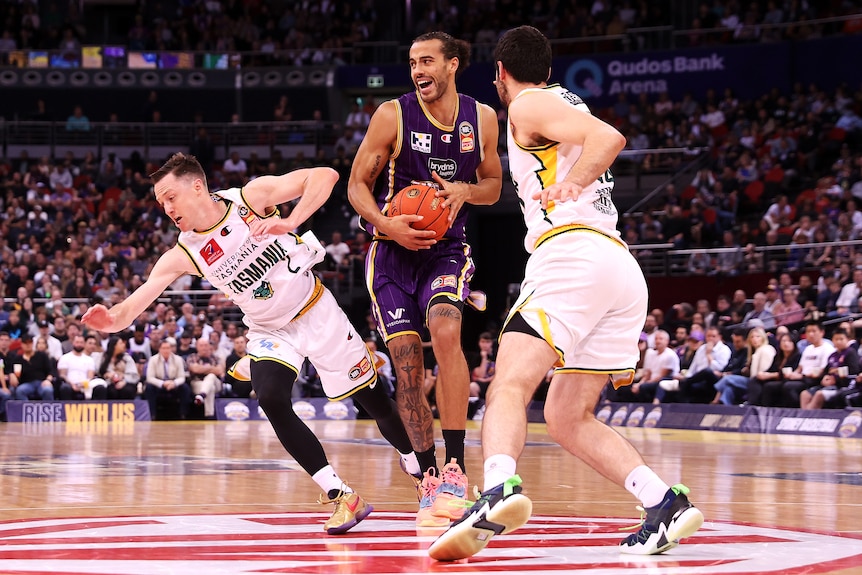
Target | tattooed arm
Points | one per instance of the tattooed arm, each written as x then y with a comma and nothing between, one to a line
371,160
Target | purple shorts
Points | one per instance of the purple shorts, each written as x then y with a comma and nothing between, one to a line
403,283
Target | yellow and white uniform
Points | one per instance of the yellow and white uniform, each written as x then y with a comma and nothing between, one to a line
583,292
290,314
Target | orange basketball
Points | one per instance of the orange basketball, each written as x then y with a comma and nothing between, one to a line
419,199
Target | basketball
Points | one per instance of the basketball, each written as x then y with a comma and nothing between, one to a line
419,199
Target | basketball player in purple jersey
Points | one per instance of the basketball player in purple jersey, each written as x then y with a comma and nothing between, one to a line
439,137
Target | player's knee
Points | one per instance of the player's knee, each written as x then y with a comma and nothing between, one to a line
445,329
272,382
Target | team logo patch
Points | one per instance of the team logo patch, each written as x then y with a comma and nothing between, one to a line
467,136
444,281
225,231
359,369
222,544
445,168
211,252
263,291
447,138
420,142
242,211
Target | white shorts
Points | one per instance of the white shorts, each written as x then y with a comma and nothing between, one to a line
326,337
585,294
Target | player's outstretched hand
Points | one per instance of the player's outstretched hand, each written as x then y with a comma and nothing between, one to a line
399,230
560,192
456,195
98,317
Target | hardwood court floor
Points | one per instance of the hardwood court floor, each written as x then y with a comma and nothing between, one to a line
222,497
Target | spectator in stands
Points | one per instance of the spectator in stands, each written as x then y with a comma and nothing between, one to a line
55,348
731,389
660,363
76,370
848,299
206,372
842,368
729,261
6,390
759,312
60,178
166,377
709,361
358,119
812,365
740,304
78,122
34,379
117,371
777,215
235,170
139,342
788,310
338,250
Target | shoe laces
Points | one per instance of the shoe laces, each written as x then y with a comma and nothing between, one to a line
678,489
324,499
453,475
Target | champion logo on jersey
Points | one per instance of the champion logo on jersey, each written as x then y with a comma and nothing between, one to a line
446,138
420,142
211,252
225,231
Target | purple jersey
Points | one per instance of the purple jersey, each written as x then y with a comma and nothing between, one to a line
425,145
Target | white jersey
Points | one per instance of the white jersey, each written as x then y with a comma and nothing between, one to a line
268,277
535,168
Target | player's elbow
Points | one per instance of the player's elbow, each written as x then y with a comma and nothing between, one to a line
616,140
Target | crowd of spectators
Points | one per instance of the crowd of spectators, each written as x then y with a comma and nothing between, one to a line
782,170
323,31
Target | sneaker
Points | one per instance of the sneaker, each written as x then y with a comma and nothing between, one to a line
199,398
350,509
498,510
451,501
664,525
427,495
417,479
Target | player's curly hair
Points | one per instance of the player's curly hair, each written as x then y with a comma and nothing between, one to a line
526,54
180,165
452,48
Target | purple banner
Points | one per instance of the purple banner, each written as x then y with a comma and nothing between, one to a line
77,411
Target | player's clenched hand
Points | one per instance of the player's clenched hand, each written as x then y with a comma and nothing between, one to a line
98,318
455,194
269,226
398,229
560,192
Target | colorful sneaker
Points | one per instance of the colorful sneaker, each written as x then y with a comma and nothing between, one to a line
451,501
498,510
427,495
350,509
664,525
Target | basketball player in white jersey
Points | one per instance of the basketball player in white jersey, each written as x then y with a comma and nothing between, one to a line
238,241
582,306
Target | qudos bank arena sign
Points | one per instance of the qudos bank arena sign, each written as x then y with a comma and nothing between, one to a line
749,73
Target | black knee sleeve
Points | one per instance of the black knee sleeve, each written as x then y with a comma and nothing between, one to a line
272,382
382,408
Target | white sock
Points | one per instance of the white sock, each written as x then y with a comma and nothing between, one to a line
411,464
498,468
328,480
644,484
